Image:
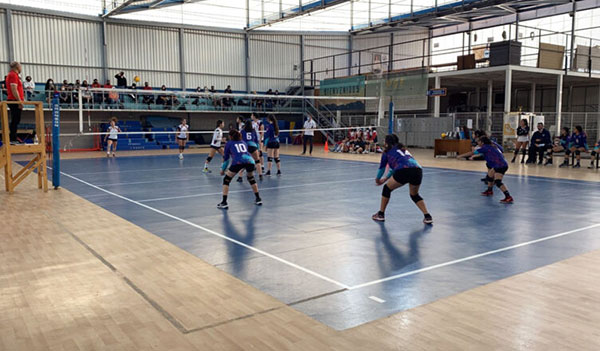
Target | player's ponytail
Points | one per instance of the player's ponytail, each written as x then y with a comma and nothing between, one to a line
485,140
391,140
248,126
273,121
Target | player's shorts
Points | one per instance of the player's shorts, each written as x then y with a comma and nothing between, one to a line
249,167
412,176
501,170
522,138
216,147
113,140
273,145
251,149
178,138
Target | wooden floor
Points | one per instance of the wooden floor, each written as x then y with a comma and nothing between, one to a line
74,276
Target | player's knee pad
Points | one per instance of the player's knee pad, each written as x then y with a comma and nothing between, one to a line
277,160
270,159
498,183
260,153
208,158
416,198
488,179
577,152
567,152
594,153
386,192
251,180
227,180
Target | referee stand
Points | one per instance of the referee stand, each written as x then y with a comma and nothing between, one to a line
37,149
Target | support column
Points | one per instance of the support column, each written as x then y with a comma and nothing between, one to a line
598,116
532,97
490,101
507,91
247,60
9,36
436,100
350,48
104,52
181,59
559,96
391,53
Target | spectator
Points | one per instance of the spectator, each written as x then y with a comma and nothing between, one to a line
256,103
269,104
29,87
107,85
75,90
578,144
228,102
113,97
540,142
121,80
148,98
197,99
215,100
86,96
132,95
97,97
4,90
50,89
64,93
15,93
277,102
561,143
163,99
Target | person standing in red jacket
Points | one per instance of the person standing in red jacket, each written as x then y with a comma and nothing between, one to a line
14,87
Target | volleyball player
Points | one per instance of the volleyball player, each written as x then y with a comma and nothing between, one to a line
561,143
215,145
497,168
182,137
112,137
595,152
522,140
239,125
250,137
237,151
272,143
403,169
578,144
260,131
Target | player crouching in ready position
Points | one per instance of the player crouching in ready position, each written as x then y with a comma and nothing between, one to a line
403,169
237,151
497,167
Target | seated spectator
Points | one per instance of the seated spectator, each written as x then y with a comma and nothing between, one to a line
163,99
198,97
107,85
113,97
50,89
578,144
561,143
148,98
75,90
132,95
174,102
216,101
228,102
86,96
64,97
540,142
277,102
29,87
269,102
256,103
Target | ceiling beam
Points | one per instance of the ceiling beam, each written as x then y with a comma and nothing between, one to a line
298,11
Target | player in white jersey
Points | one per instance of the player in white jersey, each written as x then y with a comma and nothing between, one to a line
260,131
182,137
112,137
215,145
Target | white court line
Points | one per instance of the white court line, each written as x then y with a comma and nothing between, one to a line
376,299
261,189
520,176
293,265
402,275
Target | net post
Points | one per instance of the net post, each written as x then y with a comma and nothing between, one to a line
56,139
391,115
80,102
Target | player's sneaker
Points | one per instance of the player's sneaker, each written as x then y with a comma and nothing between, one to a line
223,206
181,156
206,170
591,165
508,200
239,180
428,219
564,164
268,173
278,173
577,165
378,217
258,202
487,193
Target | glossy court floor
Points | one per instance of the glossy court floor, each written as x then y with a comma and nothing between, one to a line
312,245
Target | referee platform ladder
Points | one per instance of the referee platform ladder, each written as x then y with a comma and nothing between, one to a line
38,150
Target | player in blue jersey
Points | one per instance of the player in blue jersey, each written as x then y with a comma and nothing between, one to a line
578,144
497,168
236,150
272,143
250,137
403,168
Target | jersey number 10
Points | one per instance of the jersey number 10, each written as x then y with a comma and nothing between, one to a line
241,148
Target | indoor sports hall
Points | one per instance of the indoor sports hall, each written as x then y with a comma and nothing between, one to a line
300,175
